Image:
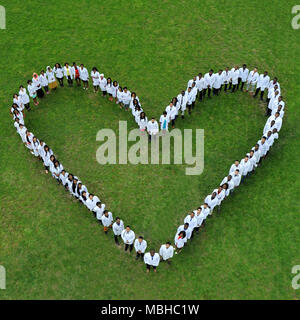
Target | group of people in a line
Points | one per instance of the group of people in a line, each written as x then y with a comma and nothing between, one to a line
198,88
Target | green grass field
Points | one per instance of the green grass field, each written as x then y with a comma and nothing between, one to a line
51,246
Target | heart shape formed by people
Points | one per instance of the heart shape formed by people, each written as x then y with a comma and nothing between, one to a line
180,106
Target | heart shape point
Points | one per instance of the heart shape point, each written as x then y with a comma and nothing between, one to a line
181,105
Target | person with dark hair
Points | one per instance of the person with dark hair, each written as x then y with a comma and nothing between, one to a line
58,71
200,85
44,81
209,79
180,240
199,217
109,88
76,73
166,252
99,210
84,77
24,98
243,75
262,83
95,75
164,122
68,73
217,83
234,76
118,227
46,157
91,201
151,259
32,92
191,220
128,237
140,246
107,220
252,80
115,87
226,78
182,100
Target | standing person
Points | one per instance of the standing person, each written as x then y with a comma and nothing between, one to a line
140,246
128,237
46,157
209,79
51,78
84,76
191,220
234,166
194,91
152,128
217,83
245,167
226,78
35,146
103,83
118,227
44,81
166,252
68,73
182,100
107,220
243,76
151,259
164,122
188,231
143,121
92,201
109,88
76,73
96,79
24,98
220,196
234,78
99,208
200,82
120,97
180,239
262,83
273,86
212,201
38,87
171,113
252,80
115,87
126,98
58,71
32,92
236,177
199,217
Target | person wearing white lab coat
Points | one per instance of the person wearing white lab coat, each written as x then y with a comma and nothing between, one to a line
273,102
56,169
262,146
252,80
151,259
189,101
277,119
186,228
164,121
220,196
182,100
38,87
262,83
51,78
117,228
230,183
128,237
99,210
44,81
46,157
107,220
279,110
243,76
83,197
126,98
152,128
273,86
209,79
22,132
32,92
59,73
234,166
205,210
193,93
192,221
236,177
171,113
140,246
190,82
63,176
95,75
180,240
80,188
268,126
84,76
245,167
199,217
92,201
257,153
68,73
234,75
226,74
200,83
212,201
217,83
17,124
166,252
24,98
103,84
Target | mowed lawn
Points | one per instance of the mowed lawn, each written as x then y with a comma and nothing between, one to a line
52,247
